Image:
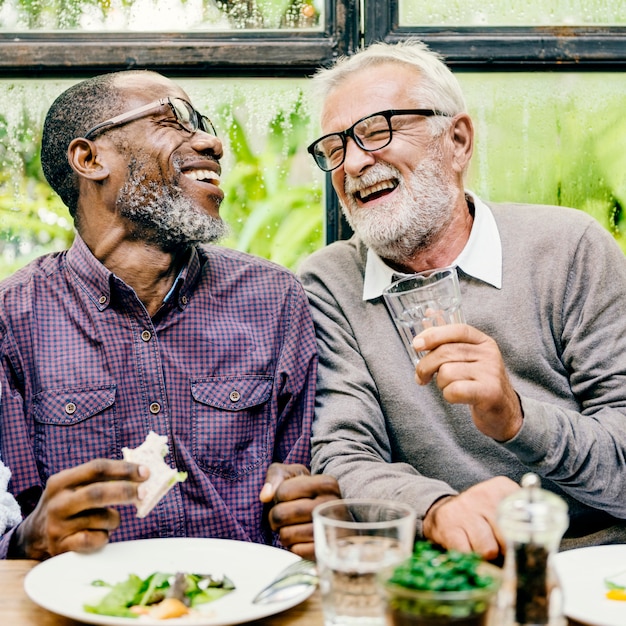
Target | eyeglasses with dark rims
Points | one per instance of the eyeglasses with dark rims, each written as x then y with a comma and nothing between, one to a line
186,116
370,133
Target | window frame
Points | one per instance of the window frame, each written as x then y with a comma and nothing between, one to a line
559,48
236,53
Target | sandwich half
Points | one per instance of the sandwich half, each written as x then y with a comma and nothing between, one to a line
152,453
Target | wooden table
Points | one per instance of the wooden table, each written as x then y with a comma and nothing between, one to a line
16,608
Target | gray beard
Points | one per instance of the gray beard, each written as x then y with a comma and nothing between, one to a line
408,223
163,215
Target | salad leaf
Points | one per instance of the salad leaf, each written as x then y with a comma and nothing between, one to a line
616,581
191,589
119,599
616,586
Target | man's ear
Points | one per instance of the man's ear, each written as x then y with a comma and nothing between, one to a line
462,132
85,160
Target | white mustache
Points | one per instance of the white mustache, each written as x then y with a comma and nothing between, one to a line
376,174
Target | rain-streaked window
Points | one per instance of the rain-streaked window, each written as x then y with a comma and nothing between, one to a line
553,135
513,13
273,189
157,15
553,139
545,138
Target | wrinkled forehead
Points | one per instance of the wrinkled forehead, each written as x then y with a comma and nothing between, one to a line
369,90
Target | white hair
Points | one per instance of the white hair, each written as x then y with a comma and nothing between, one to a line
437,89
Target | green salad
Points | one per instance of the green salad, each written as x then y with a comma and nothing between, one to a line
161,595
433,569
435,587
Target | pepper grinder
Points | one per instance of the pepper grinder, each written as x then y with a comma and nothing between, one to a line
532,522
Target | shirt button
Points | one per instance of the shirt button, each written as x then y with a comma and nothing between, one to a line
146,335
184,299
70,408
235,396
155,407
102,299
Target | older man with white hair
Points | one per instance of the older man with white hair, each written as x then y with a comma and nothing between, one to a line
536,379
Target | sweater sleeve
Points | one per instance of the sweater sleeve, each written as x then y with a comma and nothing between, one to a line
350,436
584,451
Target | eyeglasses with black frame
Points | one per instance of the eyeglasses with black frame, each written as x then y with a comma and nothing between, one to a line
186,116
370,133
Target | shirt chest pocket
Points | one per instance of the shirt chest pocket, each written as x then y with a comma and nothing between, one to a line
232,418
73,426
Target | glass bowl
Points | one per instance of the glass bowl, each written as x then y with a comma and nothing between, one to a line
413,607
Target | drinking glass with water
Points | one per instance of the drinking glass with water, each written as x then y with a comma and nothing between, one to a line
424,300
355,539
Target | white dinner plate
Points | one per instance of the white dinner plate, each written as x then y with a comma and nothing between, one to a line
63,583
582,573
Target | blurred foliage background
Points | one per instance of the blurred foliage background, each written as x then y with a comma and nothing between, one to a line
512,12
273,190
543,138
551,138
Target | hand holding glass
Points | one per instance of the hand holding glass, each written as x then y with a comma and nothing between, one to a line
424,300
354,540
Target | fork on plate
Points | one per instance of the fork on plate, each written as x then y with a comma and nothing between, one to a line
296,579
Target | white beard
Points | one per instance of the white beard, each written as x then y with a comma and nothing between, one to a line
420,209
163,215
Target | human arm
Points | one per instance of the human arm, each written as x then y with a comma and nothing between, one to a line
465,521
558,322
76,510
367,432
468,521
294,493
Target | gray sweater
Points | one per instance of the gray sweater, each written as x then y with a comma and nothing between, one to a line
559,320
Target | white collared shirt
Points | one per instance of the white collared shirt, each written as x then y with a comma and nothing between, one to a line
481,257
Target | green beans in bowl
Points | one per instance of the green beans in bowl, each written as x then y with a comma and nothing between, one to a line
435,588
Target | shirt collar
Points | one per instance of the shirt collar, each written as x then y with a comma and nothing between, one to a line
94,276
97,279
481,257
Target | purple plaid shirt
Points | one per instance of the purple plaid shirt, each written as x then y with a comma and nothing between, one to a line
226,369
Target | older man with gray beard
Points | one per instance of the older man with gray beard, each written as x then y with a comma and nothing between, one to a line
139,328
534,382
